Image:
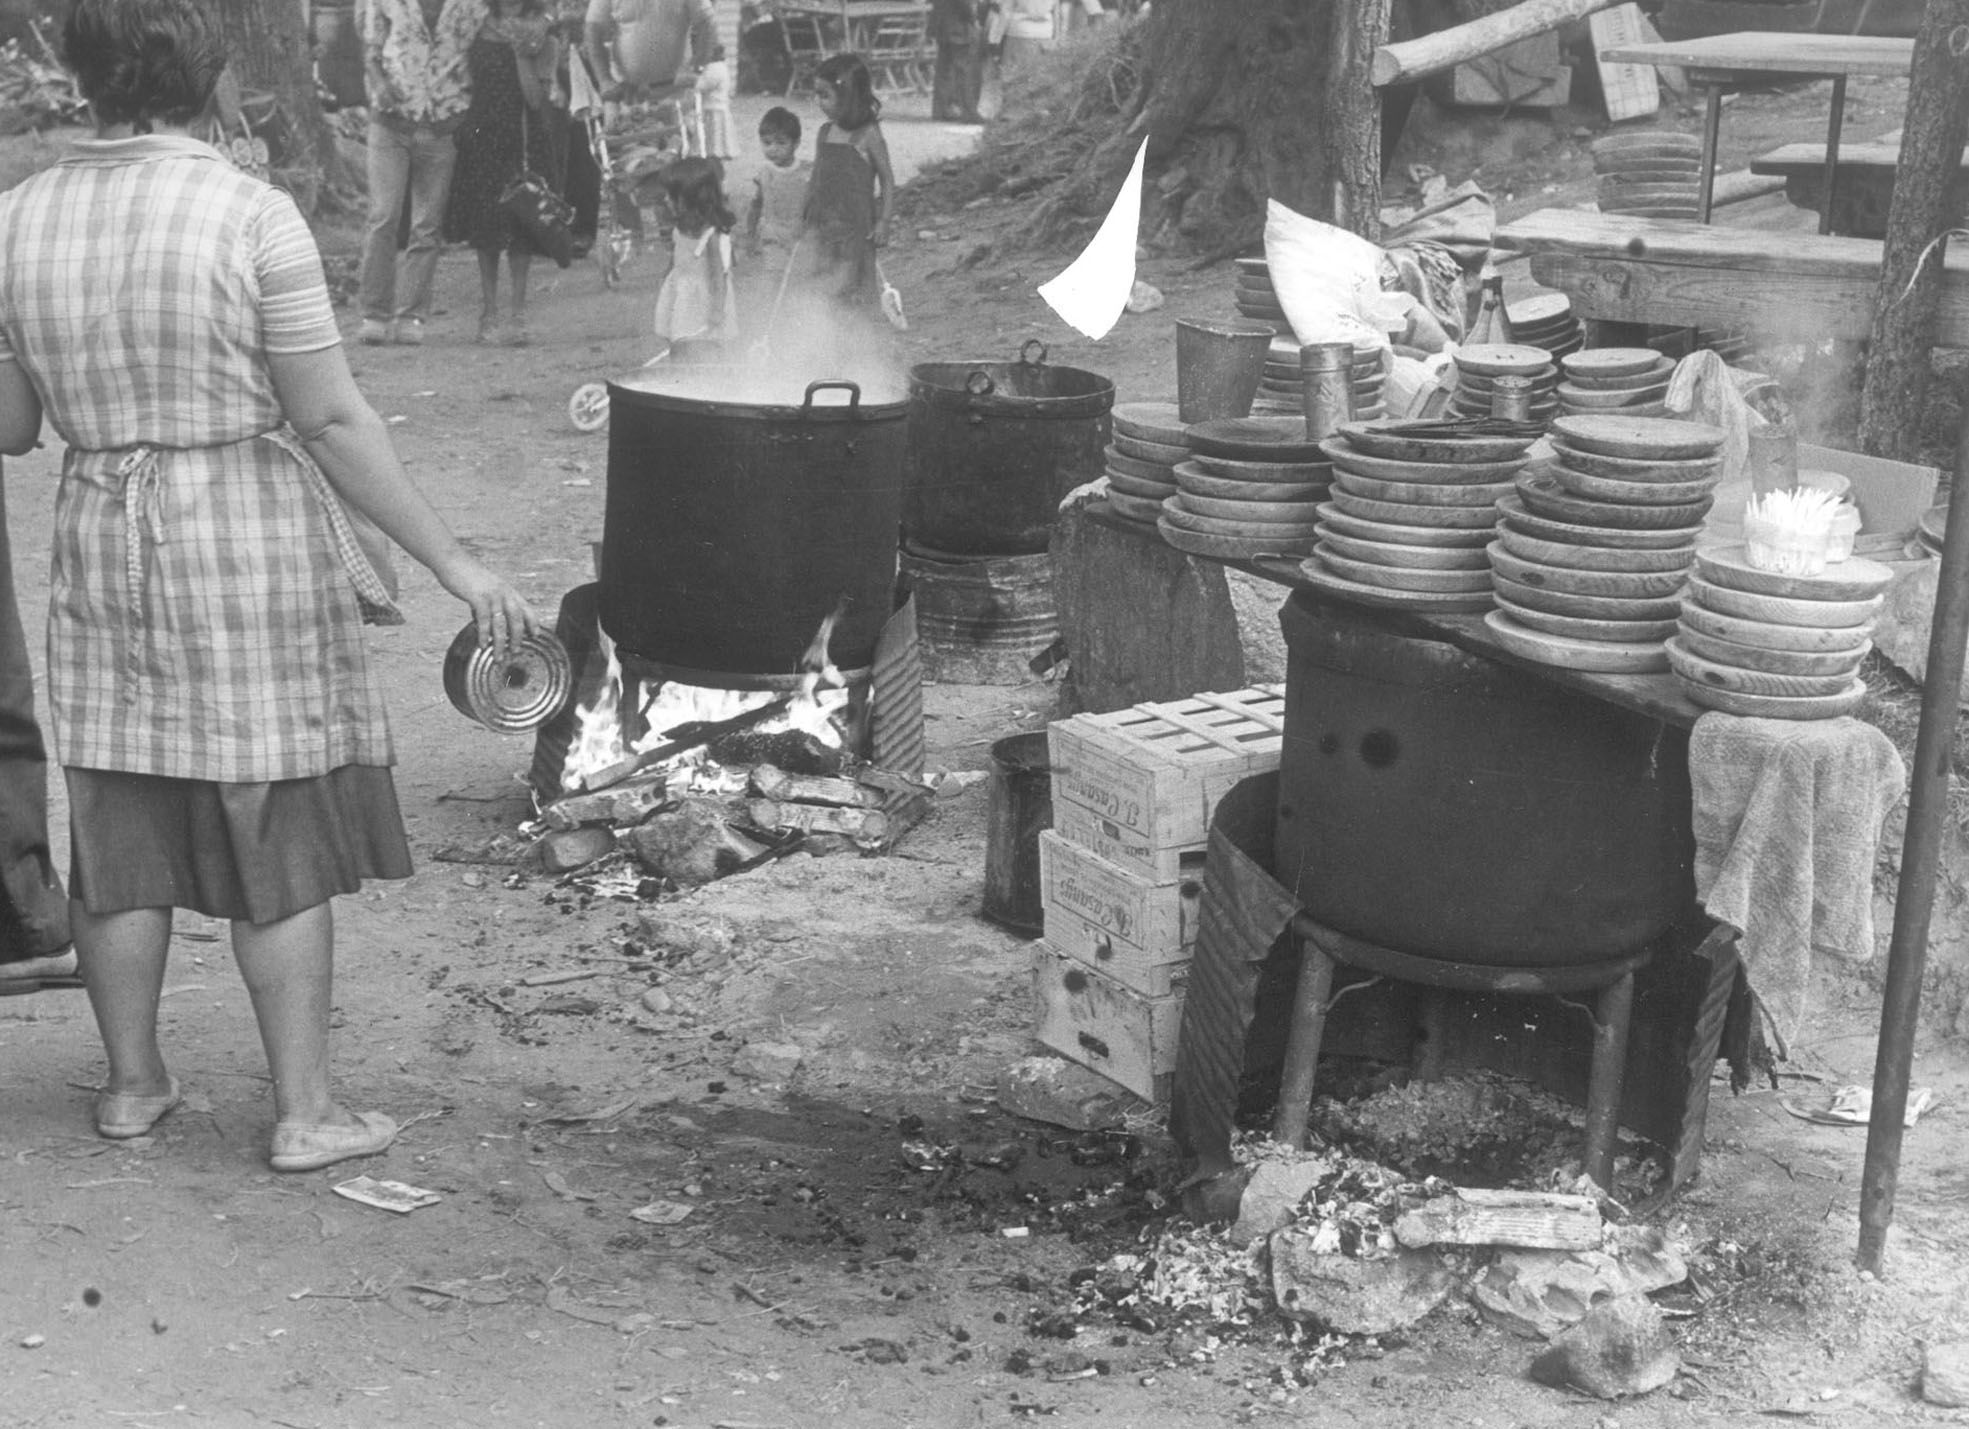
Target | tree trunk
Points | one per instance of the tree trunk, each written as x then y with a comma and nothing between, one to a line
1894,395
270,49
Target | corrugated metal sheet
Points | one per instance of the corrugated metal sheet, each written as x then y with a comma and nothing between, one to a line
897,695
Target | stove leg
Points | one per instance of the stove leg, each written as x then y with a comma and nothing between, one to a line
1302,1047
1613,1010
1430,1050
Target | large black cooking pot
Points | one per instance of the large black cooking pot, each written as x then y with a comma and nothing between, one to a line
994,446
733,528
1439,803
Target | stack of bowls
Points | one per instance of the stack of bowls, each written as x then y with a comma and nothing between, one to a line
1149,440
1254,293
1629,380
1281,391
1652,174
1594,547
1411,510
1251,487
1478,365
1546,320
1758,643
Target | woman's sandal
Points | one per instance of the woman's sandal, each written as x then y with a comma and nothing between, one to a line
123,1115
305,1146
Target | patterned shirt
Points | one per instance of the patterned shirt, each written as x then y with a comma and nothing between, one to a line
417,69
202,621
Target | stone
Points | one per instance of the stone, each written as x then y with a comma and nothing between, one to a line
1945,1374
1355,1297
1539,1293
1144,297
1063,1093
1621,1347
657,1000
681,844
570,849
1901,630
1272,1195
769,1061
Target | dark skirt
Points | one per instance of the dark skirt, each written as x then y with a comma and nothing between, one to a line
248,852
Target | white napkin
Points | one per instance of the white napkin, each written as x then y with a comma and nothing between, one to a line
1091,293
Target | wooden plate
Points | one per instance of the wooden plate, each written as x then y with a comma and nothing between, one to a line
1136,508
1408,442
1134,486
1176,514
1393,553
1658,169
1522,518
1766,636
1267,473
1587,399
1277,513
1777,662
1612,362
1592,558
1588,383
1230,548
1463,518
1150,422
1422,493
1195,481
1319,577
1502,359
1778,706
1347,458
1582,628
1165,452
1542,381
1141,470
1857,579
1645,493
1402,577
1545,497
1586,607
1261,312
1256,439
1618,585
1780,610
1260,266
1601,657
1369,529
1538,309
1622,468
1645,437
1666,141
1630,194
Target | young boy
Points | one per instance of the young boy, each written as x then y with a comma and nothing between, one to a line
779,195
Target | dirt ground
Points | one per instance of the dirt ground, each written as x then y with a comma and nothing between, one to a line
819,1263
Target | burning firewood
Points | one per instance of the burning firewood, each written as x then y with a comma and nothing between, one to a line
866,826
776,784
625,803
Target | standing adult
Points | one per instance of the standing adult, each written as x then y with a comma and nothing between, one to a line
639,49
219,724
508,130
1031,29
414,58
959,80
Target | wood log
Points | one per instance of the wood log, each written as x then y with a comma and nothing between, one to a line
1446,49
775,783
862,825
1535,1220
627,803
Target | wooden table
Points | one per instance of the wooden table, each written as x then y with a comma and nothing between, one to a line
1716,63
815,29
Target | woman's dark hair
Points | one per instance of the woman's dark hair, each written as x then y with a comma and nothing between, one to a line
695,189
848,74
143,60
782,123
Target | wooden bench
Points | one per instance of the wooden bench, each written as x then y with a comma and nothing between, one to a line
1802,287
1864,186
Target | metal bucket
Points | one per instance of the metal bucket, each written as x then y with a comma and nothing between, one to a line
994,446
1021,806
1218,367
981,619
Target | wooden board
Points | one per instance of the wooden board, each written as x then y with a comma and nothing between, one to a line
1771,52
1631,90
1126,1037
1530,74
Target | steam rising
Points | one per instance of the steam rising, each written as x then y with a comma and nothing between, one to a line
810,340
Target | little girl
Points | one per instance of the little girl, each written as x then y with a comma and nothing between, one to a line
853,189
696,298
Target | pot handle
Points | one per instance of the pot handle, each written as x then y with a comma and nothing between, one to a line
854,395
979,383
1025,353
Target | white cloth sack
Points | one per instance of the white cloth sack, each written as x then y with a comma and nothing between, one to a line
1328,280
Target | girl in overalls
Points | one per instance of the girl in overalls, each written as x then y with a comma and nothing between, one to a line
853,190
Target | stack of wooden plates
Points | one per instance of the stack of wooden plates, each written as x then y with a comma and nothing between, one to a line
1628,380
1650,174
1754,642
1478,365
1254,293
1546,320
1409,516
1251,487
1149,439
1930,528
1594,547
1281,390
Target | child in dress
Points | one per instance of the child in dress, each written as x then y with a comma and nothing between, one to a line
853,190
714,87
696,299
779,196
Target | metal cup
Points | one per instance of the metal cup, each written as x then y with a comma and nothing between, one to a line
1326,378
1218,367
1510,398
1773,457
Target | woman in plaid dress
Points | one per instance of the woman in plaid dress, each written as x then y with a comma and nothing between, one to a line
215,712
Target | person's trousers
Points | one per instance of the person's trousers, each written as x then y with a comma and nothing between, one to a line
33,906
959,82
417,162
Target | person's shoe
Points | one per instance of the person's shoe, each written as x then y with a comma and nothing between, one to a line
375,332
515,334
43,974
410,332
305,1146
122,1115
488,329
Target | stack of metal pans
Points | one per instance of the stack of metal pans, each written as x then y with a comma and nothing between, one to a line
1651,174
1251,488
1546,320
1148,442
1773,646
1412,507
1594,547
1254,293
1478,365
1629,380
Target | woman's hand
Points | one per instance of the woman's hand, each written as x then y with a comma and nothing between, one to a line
501,613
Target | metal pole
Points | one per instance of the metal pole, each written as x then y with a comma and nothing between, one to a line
1914,899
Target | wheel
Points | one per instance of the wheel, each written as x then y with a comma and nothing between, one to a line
588,407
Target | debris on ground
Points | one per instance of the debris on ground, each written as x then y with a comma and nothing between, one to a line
1619,1348
1062,1093
1945,1374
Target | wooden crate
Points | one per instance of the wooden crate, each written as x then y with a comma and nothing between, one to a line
1157,771
1527,75
1161,917
1126,1037
1630,90
1123,847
